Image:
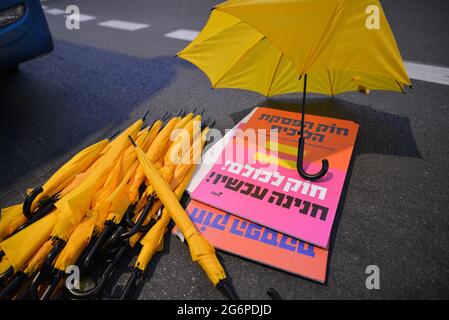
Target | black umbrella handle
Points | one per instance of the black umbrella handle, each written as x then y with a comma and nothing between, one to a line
29,201
302,172
300,157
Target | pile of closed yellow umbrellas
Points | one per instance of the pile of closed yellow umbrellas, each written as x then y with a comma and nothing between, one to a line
115,197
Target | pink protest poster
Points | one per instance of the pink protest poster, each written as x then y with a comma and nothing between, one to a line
252,241
266,189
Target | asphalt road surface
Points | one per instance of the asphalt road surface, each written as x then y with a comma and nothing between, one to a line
393,213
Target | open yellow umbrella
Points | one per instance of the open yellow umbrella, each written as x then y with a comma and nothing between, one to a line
274,46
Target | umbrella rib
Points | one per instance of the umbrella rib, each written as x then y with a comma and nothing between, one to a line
274,73
237,60
330,82
402,89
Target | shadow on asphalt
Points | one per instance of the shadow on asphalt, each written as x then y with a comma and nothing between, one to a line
58,104
379,132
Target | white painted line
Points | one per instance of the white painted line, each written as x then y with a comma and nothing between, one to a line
55,11
183,34
85,17
427,73
123,25
44,7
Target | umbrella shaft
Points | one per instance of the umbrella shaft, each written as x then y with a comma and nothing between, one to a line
303,107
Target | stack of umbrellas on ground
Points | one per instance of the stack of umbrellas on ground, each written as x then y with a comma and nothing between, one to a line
115,196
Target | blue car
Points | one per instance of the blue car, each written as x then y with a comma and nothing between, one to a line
24,32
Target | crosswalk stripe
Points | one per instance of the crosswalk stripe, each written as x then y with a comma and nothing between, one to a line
427,73
85,17
55,11
123,25
183,34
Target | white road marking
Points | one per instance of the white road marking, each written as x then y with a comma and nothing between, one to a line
55,11
123,25
44,7
427,73
85,17
183,34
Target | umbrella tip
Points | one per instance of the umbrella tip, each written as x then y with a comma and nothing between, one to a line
132,141
145,114
114,134
274,295
224,286
165,116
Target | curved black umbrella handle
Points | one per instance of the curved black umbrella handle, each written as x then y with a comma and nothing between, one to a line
29,201
300,157
102,281
302,172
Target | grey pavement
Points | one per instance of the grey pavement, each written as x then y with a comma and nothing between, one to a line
394,210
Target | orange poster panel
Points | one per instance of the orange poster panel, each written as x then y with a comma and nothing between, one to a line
255,242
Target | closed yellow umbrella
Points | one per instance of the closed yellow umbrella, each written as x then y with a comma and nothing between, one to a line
188,127
11,218
182,142
284,46
70,210
64,175
155,152
109,212
73,207
76,203
15,216
111,201
153,241
34,264
177,132
82,234
20,247
201,251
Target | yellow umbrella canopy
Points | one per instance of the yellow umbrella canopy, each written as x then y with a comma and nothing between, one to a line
267,45
275,46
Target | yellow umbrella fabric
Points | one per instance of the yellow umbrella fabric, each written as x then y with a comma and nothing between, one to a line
65,175
153,241
76,204
268,45
155,152
201,251
21,246
10,219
